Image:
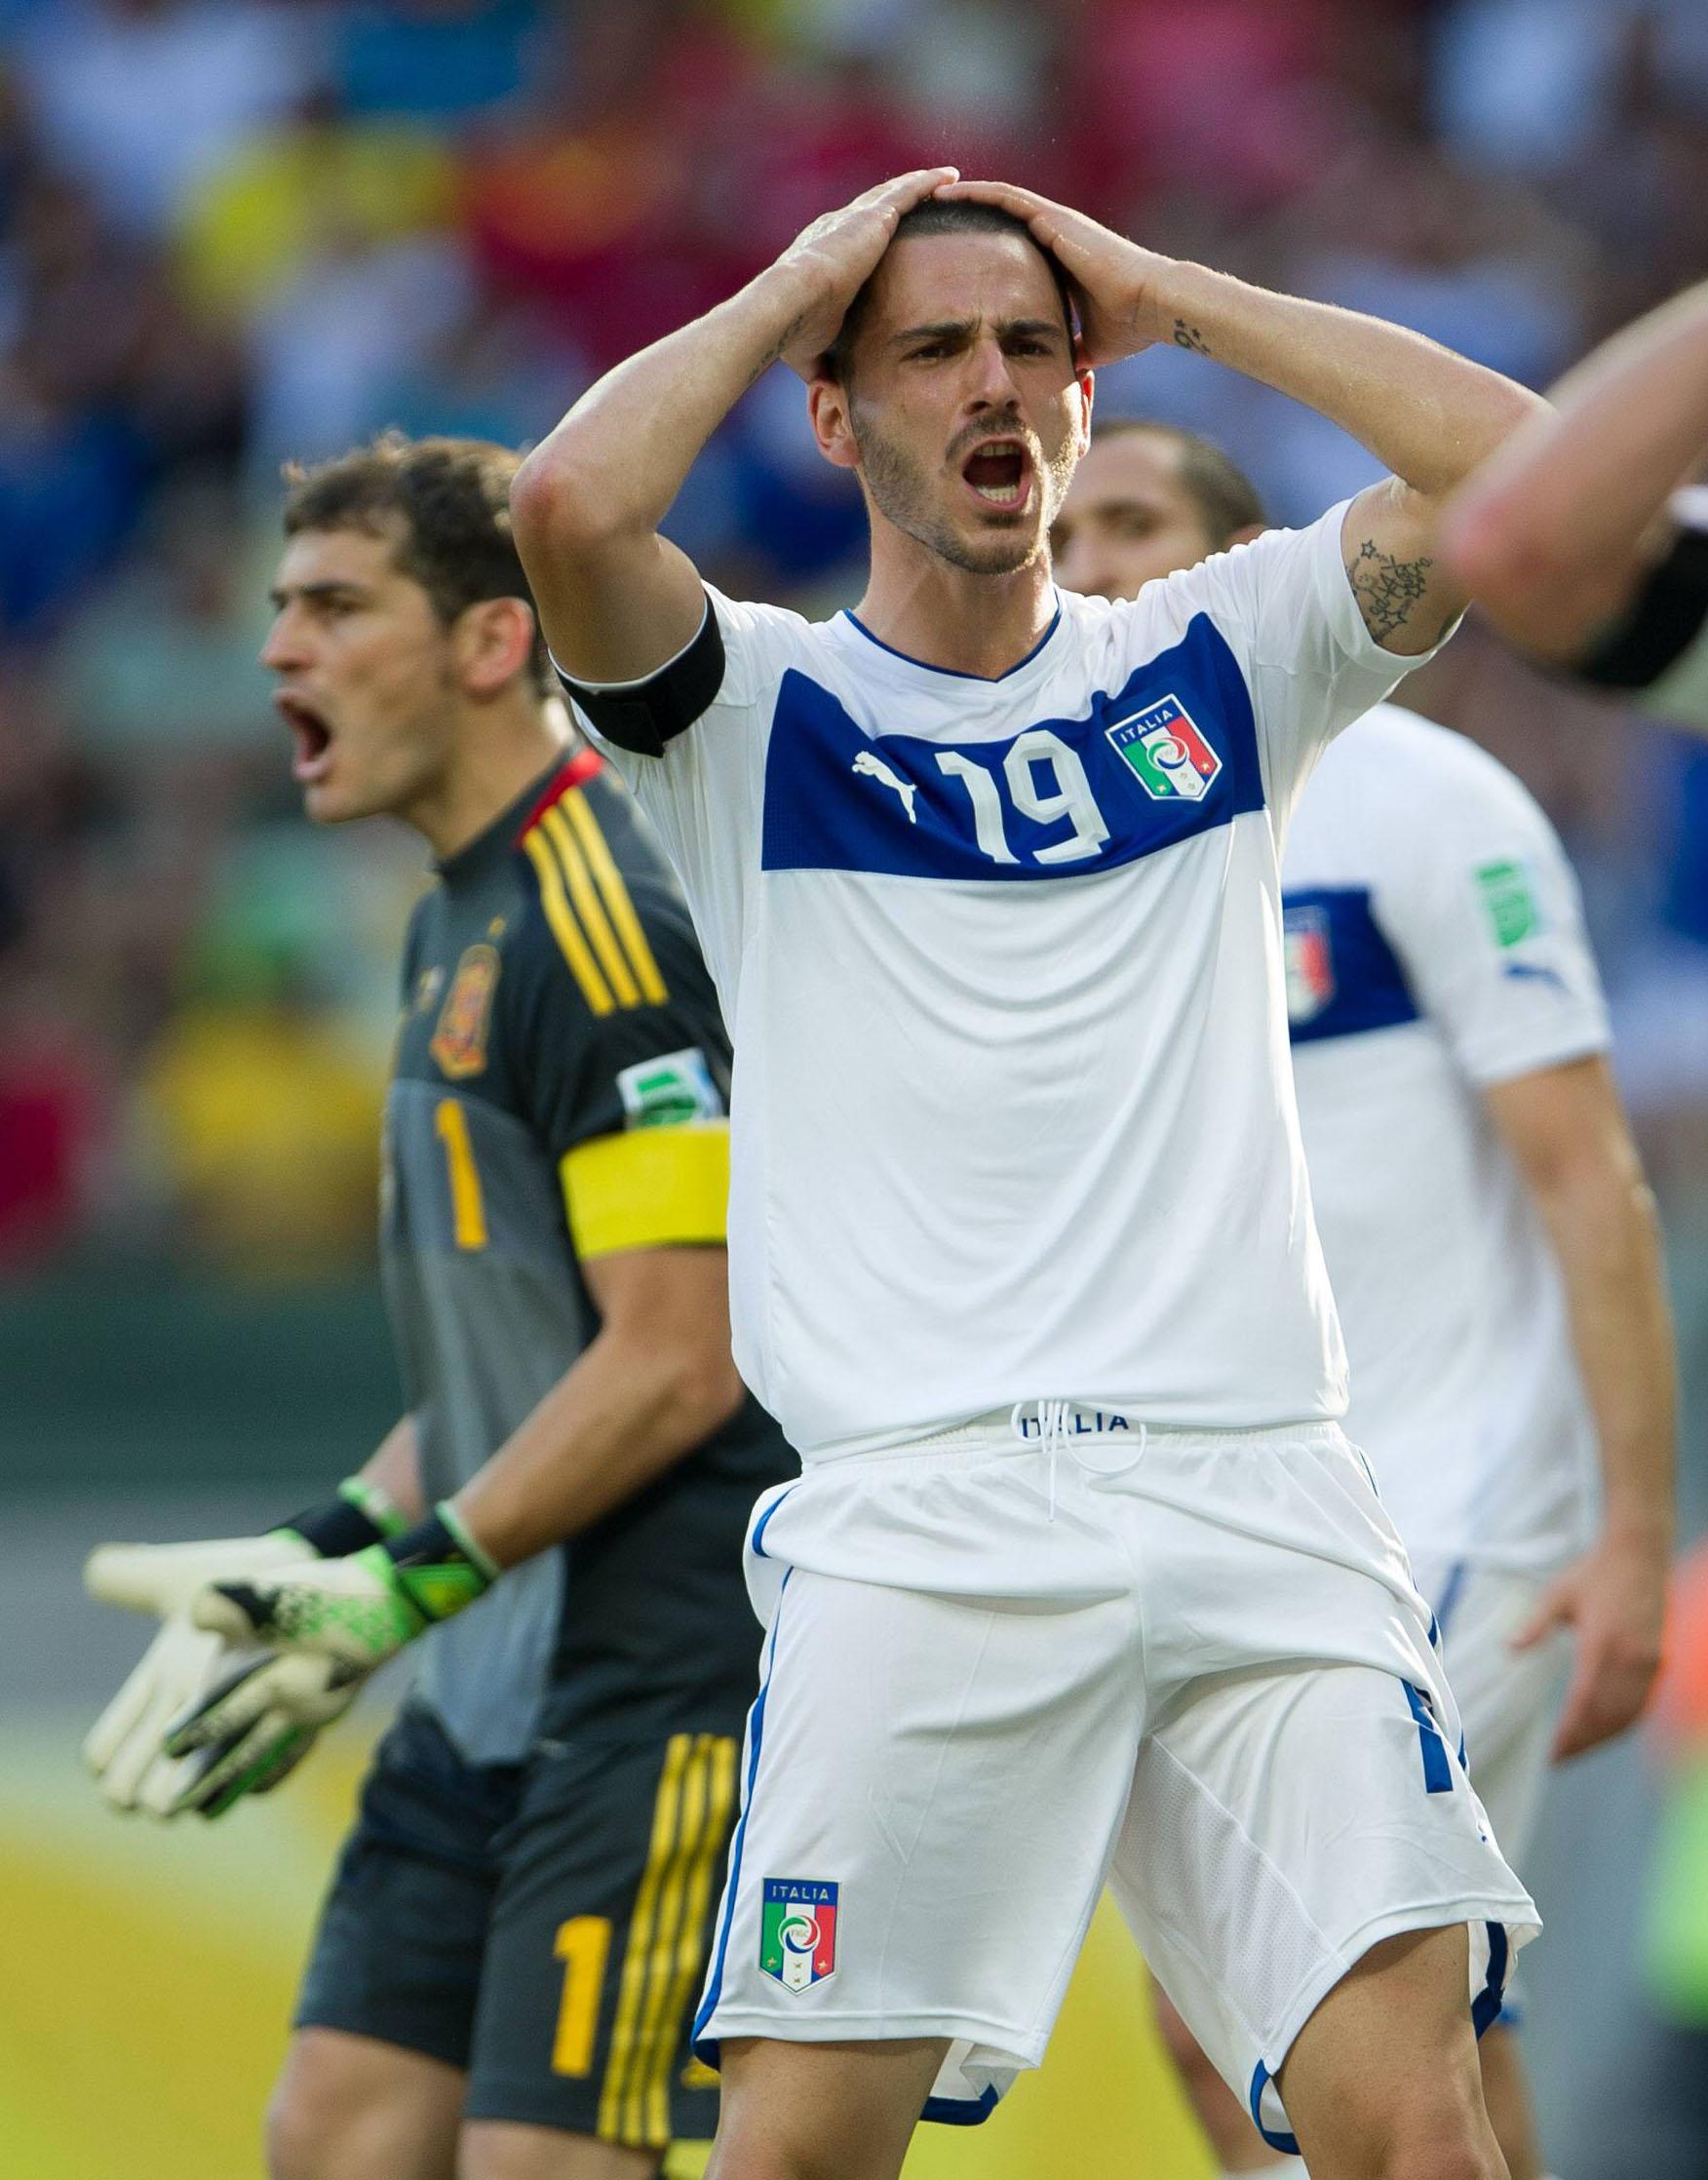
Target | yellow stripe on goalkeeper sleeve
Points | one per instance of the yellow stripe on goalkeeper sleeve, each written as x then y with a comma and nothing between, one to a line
651,1189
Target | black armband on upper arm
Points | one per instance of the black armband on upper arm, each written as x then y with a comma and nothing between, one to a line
644,718
1660,622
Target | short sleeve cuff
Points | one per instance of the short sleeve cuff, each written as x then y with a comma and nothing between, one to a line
643,681
1524,1049
645,716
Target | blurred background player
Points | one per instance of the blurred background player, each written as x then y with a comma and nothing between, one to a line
514,1940
1482,1207
1579,542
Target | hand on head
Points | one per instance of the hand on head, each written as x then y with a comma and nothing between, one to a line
1114,279
835,256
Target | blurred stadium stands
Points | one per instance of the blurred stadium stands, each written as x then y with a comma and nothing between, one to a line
233,233
238,231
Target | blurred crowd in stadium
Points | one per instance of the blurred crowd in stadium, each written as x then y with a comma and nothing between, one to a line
235,231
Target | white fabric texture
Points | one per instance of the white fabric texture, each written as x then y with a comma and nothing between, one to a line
1013,1113
1192,1679
1509,1701
1417,858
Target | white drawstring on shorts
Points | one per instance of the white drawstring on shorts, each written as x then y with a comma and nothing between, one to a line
1055,1437
1052,1416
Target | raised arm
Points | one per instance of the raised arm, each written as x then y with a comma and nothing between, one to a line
1552,535
1428,416
617,601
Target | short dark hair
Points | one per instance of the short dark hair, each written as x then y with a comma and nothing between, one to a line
1220,490
941,216
448,500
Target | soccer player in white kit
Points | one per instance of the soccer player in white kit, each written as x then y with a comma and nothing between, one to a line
1480,1205
1081,1577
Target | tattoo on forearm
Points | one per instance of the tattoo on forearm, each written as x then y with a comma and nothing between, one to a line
777,347
1189,336
1387,588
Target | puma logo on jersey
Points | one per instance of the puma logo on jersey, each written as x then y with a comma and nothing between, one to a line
875,768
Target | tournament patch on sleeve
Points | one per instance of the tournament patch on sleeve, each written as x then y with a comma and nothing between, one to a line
670,1090
1510,900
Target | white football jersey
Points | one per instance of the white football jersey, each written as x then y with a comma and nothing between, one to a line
1435,945
1012,1109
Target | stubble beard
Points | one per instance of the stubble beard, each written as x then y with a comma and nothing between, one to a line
901,489
413,774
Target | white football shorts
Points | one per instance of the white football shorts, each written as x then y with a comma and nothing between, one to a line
1509,1700
1017,1659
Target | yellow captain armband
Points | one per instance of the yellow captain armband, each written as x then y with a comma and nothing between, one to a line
650,1188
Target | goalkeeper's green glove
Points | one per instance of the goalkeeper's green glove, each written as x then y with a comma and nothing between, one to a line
123,1748
333,1623
253,1726
184,1663
163,1578
358,1611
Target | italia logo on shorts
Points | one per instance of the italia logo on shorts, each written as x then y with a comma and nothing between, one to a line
797,1932
1173,761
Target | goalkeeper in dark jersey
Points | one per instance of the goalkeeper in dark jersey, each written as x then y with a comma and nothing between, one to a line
515,1938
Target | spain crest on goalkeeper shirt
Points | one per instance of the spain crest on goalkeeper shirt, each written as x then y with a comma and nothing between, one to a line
797,1932
1171,759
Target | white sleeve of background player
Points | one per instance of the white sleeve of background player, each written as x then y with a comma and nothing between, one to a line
1286,608
1478,900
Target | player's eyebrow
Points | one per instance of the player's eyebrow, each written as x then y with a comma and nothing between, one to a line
279,598
959,328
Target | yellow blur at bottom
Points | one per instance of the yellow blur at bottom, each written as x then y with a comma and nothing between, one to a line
150,1968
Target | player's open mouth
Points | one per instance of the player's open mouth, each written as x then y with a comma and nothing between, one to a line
1000,473
312,735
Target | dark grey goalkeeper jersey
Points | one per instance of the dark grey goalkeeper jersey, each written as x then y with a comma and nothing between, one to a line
558,1093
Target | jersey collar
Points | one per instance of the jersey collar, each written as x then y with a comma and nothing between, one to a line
949,673
585,764
496,841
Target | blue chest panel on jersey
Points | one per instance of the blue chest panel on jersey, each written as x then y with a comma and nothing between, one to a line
1172,753
1342,976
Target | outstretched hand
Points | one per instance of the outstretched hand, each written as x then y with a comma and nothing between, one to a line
1115,281
834,258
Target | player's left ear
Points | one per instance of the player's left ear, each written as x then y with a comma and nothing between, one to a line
493,642
833,424
1086,380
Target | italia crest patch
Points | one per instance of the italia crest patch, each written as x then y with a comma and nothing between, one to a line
1310,962
459,1040
797,1932
1170,758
